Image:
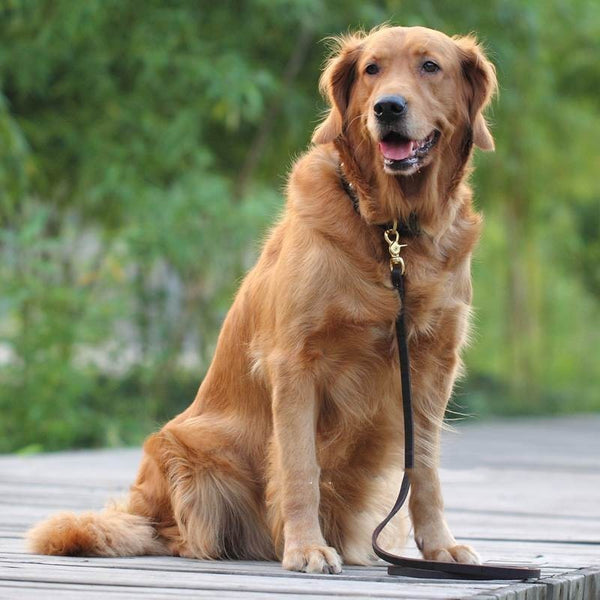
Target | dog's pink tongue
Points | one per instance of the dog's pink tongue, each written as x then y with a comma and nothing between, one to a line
396,150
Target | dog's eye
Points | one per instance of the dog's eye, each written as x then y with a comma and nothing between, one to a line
430,67
372,69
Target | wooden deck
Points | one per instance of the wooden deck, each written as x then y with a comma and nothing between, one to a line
525,490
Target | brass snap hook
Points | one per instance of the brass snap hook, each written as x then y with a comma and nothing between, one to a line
392,237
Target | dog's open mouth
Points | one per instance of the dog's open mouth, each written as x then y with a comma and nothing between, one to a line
400,153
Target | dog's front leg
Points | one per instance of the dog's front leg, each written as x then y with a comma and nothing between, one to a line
432,534
297,474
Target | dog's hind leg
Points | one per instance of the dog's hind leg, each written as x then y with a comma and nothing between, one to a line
217,501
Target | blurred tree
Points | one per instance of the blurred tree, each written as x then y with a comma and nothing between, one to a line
142,151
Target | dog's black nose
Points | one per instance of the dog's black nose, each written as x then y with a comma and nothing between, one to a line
390,108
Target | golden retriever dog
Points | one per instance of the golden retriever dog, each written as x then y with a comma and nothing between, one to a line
292,447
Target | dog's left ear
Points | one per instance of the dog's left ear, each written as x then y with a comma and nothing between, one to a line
481,85
336,84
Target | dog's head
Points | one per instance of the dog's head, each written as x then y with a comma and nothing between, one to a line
407,91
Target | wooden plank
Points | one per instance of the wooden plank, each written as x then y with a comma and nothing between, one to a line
526,492
553,558
558,529
566,443
408,588
75,591
241,568
465,526
185,567
565,556
375,573
531,494
323,585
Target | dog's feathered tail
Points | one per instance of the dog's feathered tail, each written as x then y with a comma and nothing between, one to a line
112,532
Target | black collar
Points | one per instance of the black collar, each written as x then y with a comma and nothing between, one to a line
410,228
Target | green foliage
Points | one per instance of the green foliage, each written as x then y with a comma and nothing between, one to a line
143,148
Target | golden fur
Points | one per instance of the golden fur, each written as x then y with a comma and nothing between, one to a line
292,447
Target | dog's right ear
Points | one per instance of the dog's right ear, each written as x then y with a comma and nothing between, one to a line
336,84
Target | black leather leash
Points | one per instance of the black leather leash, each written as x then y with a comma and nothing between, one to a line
400,565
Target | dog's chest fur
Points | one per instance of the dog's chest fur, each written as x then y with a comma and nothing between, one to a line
346,326
328,308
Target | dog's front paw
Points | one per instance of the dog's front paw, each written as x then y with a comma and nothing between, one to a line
457,553
312,559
